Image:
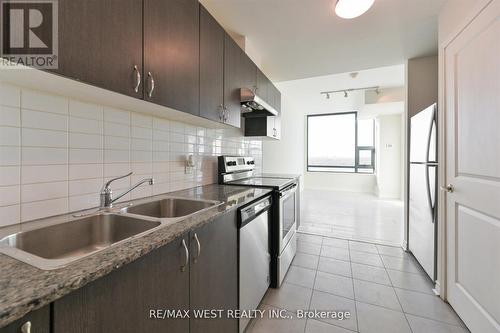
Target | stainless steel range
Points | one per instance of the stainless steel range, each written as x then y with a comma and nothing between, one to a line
238,170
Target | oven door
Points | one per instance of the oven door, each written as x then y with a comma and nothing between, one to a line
287,214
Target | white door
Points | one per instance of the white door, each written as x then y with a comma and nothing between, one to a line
472,65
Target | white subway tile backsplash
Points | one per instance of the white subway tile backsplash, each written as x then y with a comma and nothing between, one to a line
10,95
10,116
86,171
161,136
116,143
89,141
141,144
10,156
116,116
43,120
10,195
81,202
85,110
55,153
85,156
141,156
43,173
161,124
141,120
10,175
85,186
39,101
116,169
44,138
10,215
141,168
44,191
89,126
10,136
39,209
43,156
161,156
116,156
141,133
114,129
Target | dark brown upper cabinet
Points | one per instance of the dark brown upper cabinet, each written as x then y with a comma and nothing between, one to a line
233,80
214,273
274,97
211,67
100,43
171,54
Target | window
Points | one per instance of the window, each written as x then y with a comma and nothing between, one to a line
340,142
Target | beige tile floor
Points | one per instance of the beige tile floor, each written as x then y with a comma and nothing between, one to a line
357,216
383,288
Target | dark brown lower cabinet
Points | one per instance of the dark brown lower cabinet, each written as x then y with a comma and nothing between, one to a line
122,301
214,273
127,299
38,320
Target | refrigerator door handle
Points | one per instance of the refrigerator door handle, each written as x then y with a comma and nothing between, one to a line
429,196
431,127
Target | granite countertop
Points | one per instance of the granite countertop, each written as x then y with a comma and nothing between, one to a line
24,288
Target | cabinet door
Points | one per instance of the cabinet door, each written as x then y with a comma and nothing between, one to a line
214,273
100,43
248,72
211,67
122,301
263,84
39,320
171,54
232,80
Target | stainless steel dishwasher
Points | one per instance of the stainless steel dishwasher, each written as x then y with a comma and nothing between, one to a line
254,257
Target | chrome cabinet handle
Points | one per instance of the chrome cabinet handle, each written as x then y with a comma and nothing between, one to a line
274,132
186,252
152,86
137,79
198,246
448,188
26,328
221,112
225,115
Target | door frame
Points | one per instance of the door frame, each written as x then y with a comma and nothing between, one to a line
441,284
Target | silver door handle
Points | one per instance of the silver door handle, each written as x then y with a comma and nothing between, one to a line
152,86
221,112
186,251
225,114
26,328
448,188
198,246
137,79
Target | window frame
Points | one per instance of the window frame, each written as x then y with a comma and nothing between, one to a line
357,148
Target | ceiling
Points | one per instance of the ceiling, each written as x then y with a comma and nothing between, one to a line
304,38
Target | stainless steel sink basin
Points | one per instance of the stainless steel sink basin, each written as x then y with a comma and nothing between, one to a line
169,208
56,245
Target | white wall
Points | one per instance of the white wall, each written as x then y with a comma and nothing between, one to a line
300,98
389,155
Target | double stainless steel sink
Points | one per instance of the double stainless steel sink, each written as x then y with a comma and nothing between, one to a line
57,245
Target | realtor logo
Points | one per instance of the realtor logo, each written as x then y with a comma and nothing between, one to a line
29,33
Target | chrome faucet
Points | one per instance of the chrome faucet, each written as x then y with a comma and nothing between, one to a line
107,199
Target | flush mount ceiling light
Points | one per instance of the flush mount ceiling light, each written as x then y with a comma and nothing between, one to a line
349,9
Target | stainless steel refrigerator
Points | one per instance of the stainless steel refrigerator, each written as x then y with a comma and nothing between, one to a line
423,191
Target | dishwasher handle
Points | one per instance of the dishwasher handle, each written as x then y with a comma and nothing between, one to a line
250,212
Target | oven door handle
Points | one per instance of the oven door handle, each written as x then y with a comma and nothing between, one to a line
288,191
